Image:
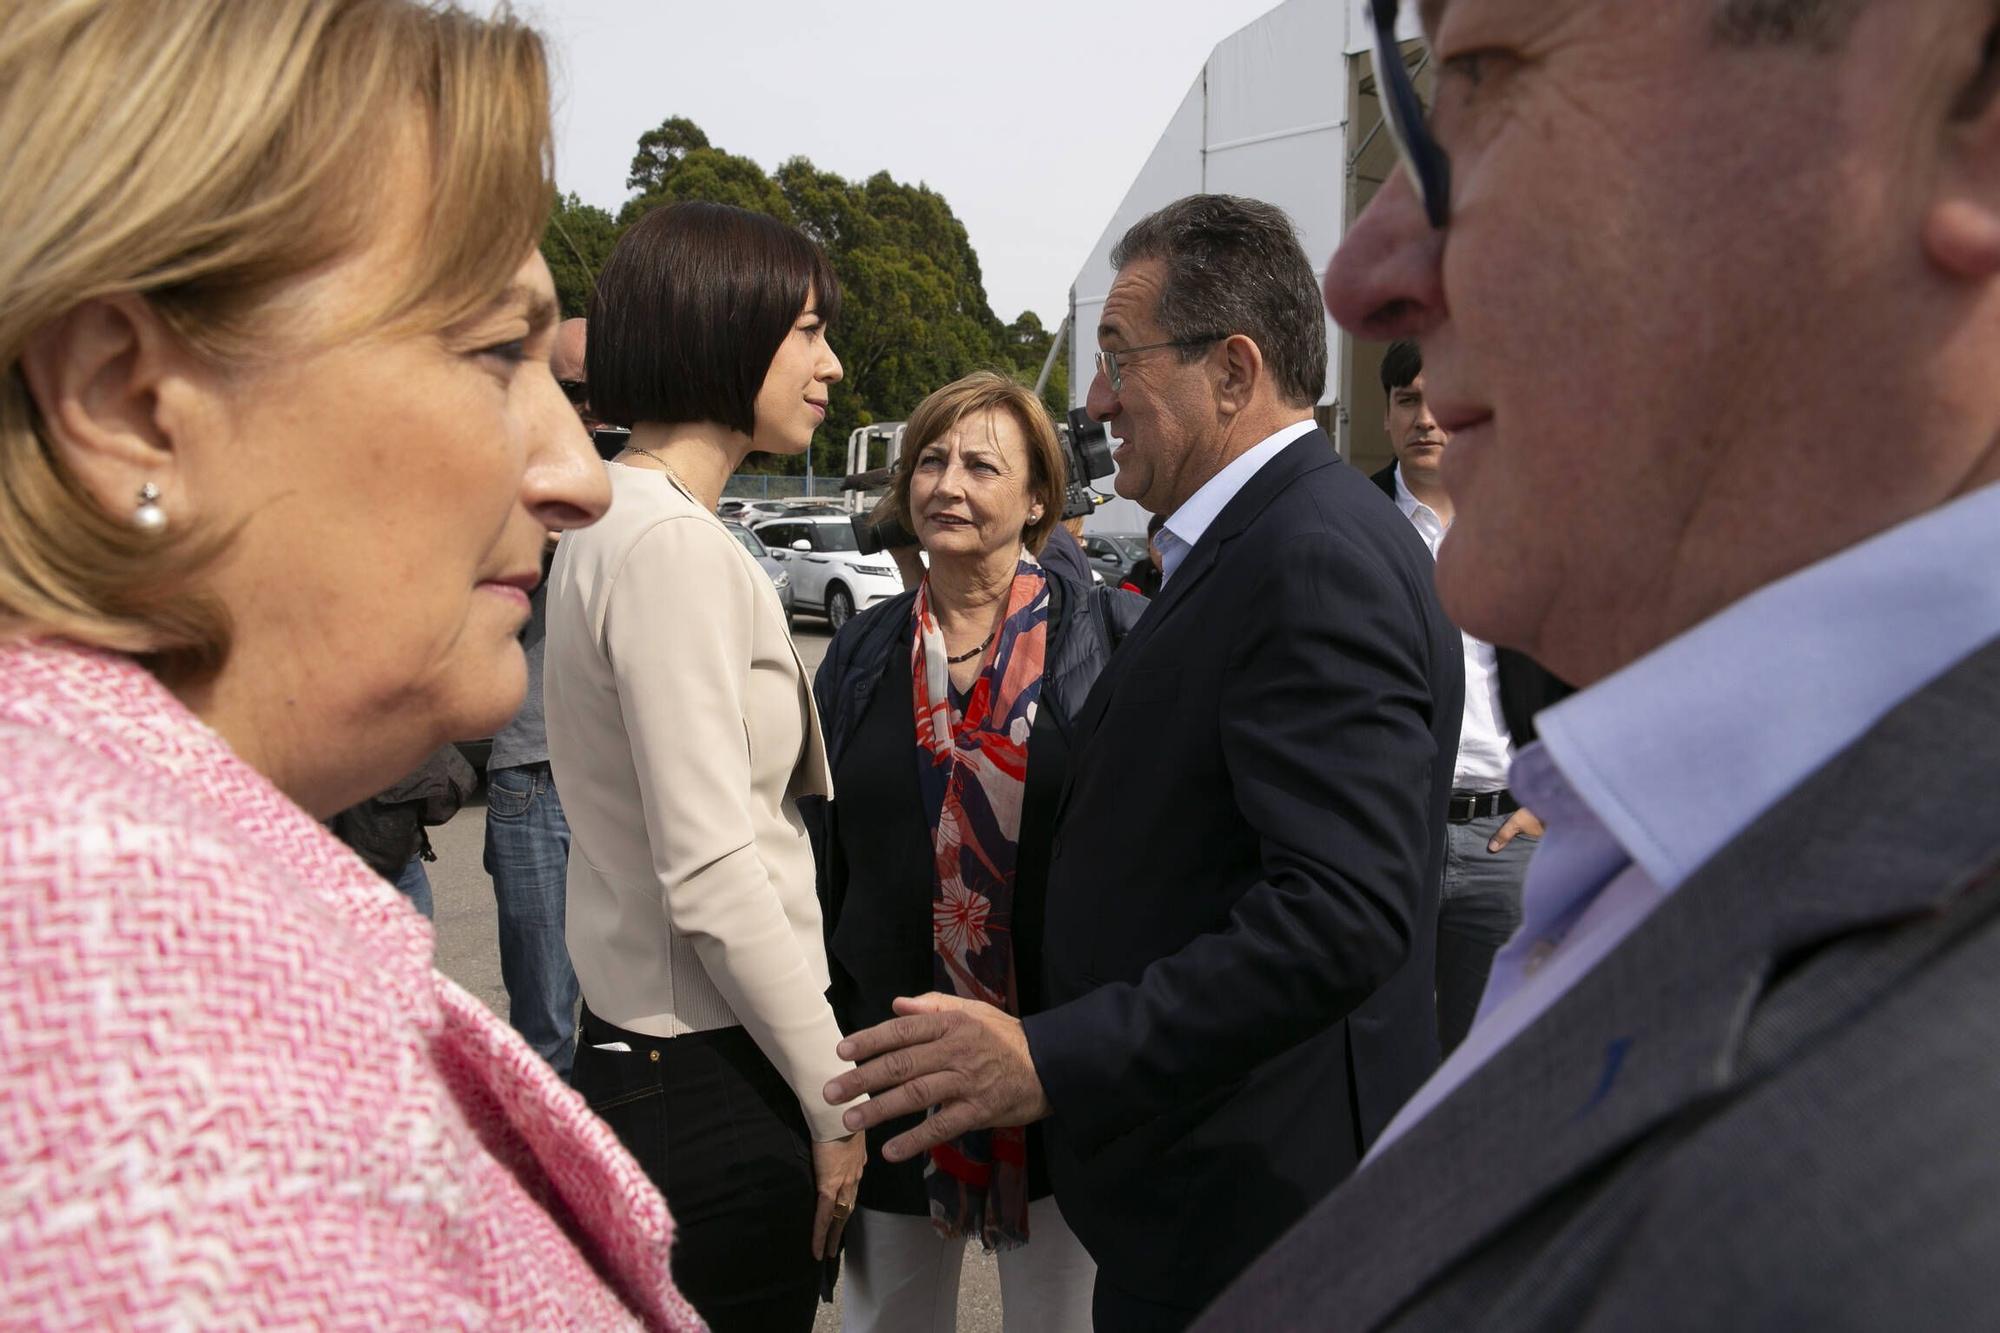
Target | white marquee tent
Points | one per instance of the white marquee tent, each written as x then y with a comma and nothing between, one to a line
1285,111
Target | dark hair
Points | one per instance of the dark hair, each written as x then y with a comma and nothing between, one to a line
1154,524
1235,266
691,309
1401,364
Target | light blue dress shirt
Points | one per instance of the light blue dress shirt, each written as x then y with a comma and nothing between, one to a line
1180,533
1650,772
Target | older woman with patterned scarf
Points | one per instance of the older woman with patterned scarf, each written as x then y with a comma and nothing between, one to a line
947,715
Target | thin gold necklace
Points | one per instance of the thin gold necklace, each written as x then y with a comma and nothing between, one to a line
667,467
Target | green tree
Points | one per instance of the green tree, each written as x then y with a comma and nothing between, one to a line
576,242
1026,344
826,207
661,151
719,178
676,162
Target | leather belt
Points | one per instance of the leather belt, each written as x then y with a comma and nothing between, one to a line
1466,806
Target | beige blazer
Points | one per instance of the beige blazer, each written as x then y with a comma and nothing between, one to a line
681,732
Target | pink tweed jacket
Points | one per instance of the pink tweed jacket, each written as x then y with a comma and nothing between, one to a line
234,1093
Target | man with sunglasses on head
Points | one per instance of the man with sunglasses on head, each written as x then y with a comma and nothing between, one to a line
1241,904
1709,298
527,836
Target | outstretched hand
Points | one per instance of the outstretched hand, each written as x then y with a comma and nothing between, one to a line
968,1059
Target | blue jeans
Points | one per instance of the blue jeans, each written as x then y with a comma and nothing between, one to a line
527,854
415,884
1478,911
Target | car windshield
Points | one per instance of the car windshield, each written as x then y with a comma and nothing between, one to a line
834,537
1132,548
750,542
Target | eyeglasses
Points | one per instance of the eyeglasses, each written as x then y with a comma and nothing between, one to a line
1107,362
576,391
1429,168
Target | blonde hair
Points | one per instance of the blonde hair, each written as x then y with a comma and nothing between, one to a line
203,154
983,391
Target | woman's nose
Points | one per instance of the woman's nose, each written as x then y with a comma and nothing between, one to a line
564,485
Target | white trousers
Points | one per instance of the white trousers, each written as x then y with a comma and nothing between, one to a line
900,1276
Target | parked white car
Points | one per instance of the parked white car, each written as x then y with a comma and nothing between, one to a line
830,576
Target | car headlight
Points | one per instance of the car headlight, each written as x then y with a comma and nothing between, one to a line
879,571
780,579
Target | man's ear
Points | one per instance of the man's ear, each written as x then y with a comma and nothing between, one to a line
111,384
1239,371
1962,227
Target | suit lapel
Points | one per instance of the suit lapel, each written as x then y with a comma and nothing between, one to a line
1891,829
1303,455
1194,568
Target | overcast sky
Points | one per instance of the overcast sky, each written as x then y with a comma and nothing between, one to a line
1030,118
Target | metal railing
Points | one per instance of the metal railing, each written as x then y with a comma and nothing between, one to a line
764,486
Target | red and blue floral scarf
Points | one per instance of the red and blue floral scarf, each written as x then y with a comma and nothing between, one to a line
972,767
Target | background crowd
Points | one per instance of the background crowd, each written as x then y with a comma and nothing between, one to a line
1194,944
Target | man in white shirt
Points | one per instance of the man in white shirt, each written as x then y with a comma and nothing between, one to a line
1709,299
1492,834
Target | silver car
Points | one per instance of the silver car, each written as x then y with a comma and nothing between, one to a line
733,510
781,579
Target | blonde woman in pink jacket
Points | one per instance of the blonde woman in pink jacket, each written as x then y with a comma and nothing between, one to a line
279,449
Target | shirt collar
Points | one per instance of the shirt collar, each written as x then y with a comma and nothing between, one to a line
1406,499
1193,518
1422,516
1682,750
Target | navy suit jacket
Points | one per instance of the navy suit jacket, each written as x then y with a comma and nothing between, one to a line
1241,901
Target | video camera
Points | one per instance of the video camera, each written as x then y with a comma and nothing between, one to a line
1087,451
1086,446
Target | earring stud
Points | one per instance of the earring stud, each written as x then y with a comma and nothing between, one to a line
149,518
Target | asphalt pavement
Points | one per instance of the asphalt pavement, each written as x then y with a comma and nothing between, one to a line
468,953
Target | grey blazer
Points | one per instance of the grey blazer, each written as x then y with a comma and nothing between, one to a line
1776,1105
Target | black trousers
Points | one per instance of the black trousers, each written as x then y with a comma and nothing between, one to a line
721,1134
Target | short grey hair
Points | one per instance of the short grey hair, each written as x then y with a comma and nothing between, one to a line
1236,266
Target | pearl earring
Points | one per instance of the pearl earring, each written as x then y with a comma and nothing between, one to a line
149,518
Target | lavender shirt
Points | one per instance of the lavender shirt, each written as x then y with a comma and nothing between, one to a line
1650,772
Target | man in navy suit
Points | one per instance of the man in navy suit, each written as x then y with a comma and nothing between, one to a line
1242,900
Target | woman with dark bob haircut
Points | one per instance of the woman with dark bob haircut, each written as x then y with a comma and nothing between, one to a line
682,734
279,451
948,721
